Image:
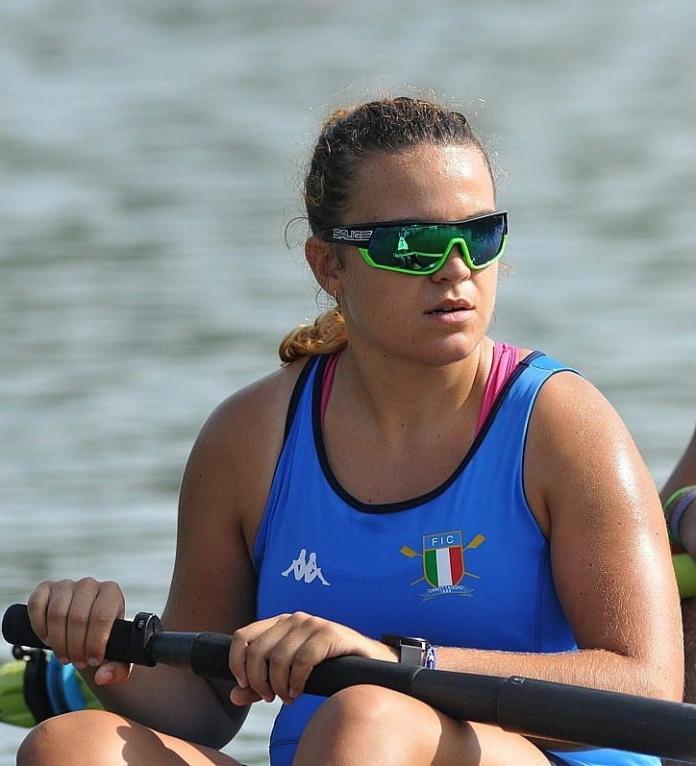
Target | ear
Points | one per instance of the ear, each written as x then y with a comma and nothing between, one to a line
324,263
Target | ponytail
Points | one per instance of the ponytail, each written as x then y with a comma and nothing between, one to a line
326,335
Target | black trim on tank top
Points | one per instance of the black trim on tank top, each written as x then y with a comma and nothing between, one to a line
296,394
404,505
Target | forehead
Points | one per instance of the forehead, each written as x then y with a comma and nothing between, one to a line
434,183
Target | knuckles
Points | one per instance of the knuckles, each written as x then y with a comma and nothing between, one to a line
302,663
255,653
56,612
57,598
277,660
307,622
100,617
313,634
78,619
39,592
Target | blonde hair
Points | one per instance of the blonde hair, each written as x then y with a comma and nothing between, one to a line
347,138
326,335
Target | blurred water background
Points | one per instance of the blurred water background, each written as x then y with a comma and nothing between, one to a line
150,152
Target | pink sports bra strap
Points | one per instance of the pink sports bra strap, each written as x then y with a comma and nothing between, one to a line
327,383
505,359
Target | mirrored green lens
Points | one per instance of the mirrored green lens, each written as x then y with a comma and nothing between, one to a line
411,248
422,248
484,240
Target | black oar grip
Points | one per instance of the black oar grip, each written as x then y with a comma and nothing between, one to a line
210,655
16,628
127,643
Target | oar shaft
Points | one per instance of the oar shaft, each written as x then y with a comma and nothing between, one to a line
535,708
563,712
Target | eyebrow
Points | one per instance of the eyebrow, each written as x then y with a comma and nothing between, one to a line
411,221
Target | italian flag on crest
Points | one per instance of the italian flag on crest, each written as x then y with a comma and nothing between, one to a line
443,558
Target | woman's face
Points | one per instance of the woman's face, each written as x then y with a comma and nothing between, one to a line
397,314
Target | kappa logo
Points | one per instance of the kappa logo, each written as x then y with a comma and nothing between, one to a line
443,564
306,569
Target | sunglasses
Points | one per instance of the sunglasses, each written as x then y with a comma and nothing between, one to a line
411,247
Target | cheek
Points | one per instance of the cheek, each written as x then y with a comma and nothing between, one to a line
488,287
367,301
373,299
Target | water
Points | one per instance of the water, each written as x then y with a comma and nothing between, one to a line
150,154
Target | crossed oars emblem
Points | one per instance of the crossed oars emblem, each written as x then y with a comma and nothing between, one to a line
475,542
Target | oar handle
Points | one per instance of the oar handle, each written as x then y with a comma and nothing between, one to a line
16,628
128,641
143,642
535,708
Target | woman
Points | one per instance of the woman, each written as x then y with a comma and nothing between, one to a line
401,474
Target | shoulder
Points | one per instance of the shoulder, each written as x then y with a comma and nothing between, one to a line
580,455
577,443
570,409
565,400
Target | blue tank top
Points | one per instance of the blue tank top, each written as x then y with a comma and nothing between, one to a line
466,564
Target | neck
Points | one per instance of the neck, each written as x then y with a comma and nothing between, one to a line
399,395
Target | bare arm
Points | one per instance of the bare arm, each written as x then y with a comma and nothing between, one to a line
213,586
212,589
592,493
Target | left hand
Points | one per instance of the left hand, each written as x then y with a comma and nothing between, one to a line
275,656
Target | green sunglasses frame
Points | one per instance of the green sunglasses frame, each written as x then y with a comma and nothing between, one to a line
360,234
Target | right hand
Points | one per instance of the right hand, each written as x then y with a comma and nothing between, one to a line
75,620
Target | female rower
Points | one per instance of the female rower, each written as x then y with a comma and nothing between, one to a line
401,473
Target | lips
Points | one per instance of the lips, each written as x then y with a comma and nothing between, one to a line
450,306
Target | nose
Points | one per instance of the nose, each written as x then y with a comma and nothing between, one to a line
454,269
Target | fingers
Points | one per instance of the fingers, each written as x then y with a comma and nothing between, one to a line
112,673
243,697
57,618
108,606
247,657
275,656
306,659
75,620
308,641
272,655
36,608
241,639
